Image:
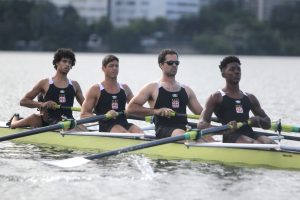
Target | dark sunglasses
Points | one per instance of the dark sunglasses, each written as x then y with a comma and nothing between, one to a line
176,62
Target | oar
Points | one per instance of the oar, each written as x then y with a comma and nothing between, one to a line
149,118
189,116
286,137
61,125
286,127
68,108
274,126
190,135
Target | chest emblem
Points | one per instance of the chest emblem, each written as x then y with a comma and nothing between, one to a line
175,101
62,97
239,108
114,103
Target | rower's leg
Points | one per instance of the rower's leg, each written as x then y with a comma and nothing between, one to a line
118,129
245,139
135,129
178,132
33,121
265,140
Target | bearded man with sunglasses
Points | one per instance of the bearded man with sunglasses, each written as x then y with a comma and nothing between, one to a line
58,90
165,97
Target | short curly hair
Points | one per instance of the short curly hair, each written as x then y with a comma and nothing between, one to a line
63,53
227,60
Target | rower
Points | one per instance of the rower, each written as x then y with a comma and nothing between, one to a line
231,105
57,90
166,97
109,97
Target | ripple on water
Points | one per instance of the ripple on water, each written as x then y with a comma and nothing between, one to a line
129,176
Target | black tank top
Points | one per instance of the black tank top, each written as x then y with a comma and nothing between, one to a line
109,102
177,101
232,109
63,97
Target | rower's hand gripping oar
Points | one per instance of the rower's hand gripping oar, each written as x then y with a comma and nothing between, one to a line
78,109
190,135
68,124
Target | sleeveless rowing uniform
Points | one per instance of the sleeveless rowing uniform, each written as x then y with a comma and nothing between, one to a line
178,102
107,102
63,97
231,109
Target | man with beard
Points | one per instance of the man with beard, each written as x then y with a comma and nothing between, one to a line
231,105
165,97
58,90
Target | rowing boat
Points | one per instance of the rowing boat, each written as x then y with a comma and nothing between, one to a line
269,155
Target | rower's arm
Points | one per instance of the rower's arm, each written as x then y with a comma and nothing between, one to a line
28,101
78,92
193,103
260,119
129,94
208,110
90,102
136,105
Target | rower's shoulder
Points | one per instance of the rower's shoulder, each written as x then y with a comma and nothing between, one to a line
94,88
216,97
252,98
43,82
217,94
249,94
151,85
74,82
125,86
187,89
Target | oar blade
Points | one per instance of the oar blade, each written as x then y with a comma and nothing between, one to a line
69,162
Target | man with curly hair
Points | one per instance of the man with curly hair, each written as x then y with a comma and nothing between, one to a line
57,90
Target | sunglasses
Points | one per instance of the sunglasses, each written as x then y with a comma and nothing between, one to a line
170,62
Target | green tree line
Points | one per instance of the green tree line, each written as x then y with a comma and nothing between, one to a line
222,27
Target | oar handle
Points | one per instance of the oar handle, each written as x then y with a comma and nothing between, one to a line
192,116
78,109
189,116
96,118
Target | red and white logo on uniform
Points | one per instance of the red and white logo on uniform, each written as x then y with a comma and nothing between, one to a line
175,101
62,97
114,103
239,109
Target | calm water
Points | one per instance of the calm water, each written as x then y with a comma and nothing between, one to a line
274,80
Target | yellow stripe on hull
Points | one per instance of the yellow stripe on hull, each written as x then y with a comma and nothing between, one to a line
230,156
